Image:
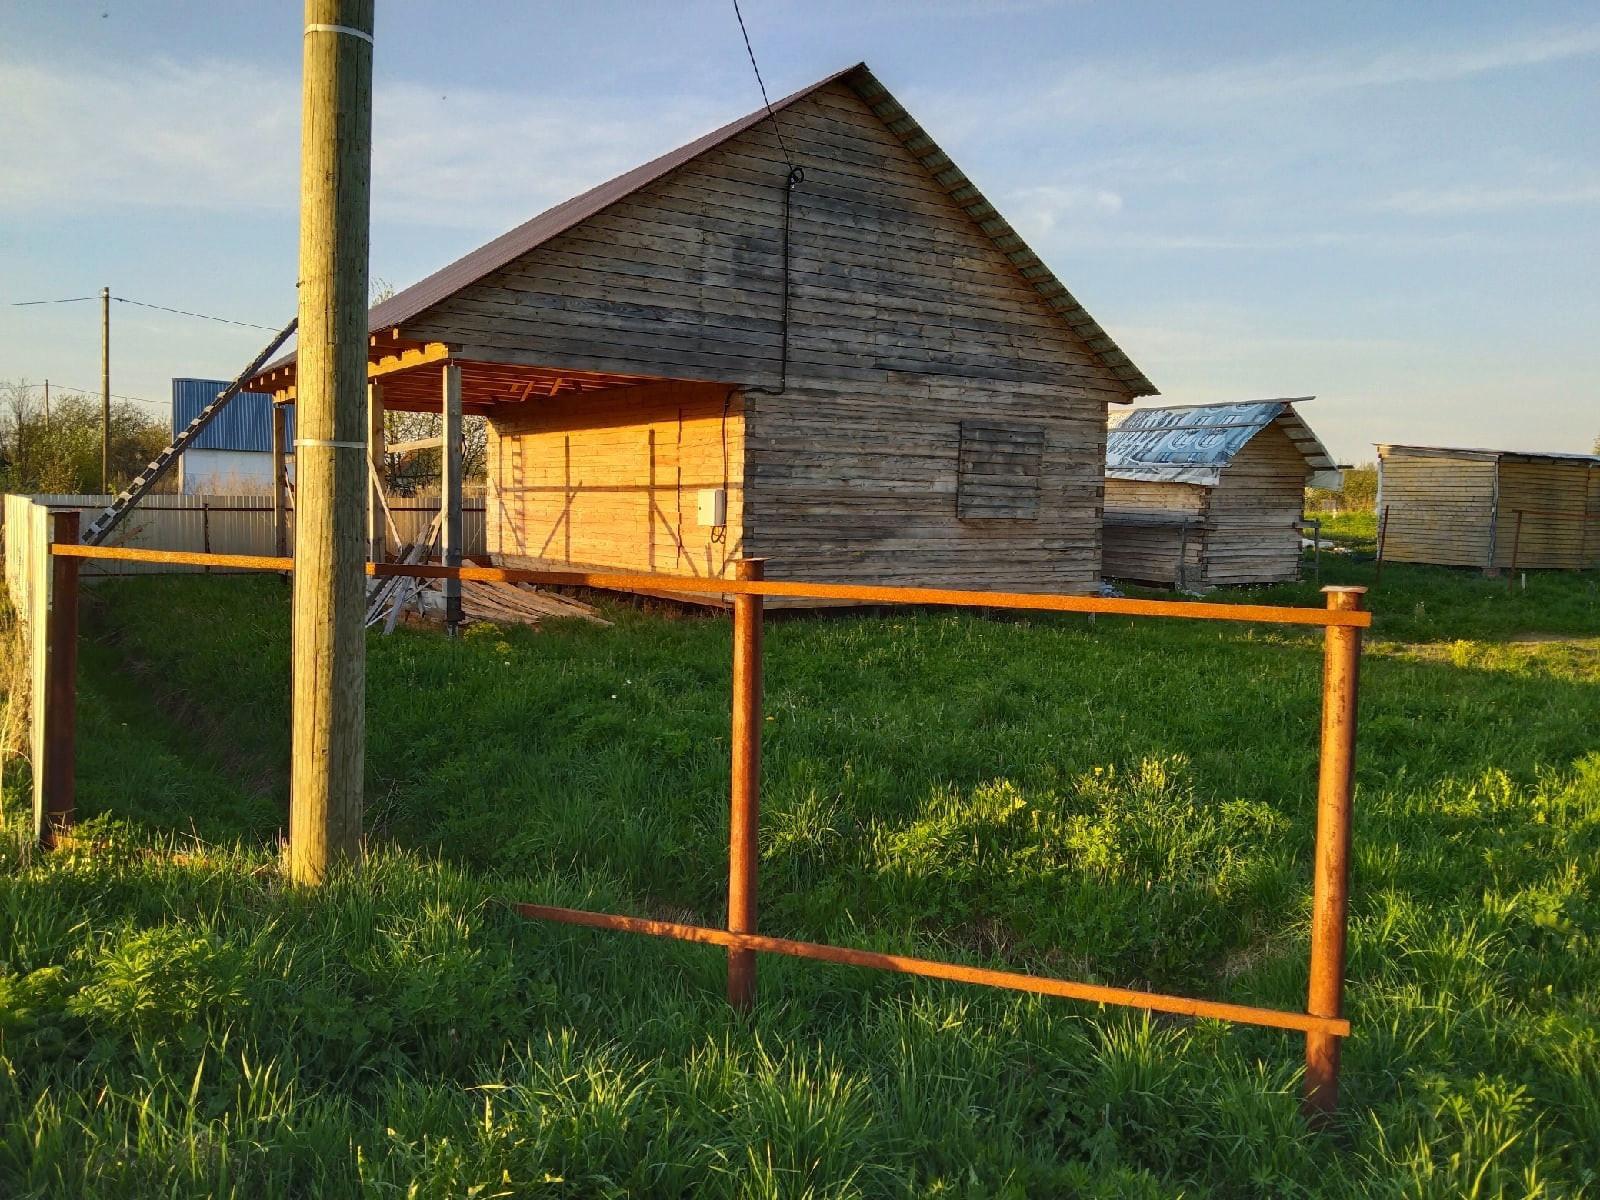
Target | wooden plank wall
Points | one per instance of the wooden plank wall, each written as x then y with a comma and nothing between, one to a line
906,320
1137,547
1440,509
613,479
1251,535
1558,530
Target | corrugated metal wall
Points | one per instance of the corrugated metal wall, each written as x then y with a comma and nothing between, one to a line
245,422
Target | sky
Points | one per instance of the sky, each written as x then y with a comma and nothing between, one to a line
1390,207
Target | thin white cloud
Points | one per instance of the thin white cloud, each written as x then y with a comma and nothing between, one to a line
1142,90
1043,208
225,136
1431,202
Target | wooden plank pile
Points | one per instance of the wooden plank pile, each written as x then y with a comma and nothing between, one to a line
521,603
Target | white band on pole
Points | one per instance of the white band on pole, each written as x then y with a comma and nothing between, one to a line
326,442
365,37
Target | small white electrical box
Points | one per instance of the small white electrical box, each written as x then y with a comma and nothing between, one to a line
714,506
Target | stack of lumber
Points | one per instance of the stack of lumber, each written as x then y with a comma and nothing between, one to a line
521,603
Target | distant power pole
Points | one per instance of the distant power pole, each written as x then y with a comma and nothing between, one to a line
331,464
47,406
105,390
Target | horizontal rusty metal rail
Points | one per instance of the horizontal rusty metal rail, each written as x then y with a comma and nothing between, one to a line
701,586
1014,981
1342,621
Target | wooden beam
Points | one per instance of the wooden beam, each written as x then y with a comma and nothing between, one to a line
433,352
450,470
280,480
377,540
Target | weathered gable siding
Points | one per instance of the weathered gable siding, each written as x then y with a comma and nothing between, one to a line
1251,535
1440,509
909,321
613,479
905,320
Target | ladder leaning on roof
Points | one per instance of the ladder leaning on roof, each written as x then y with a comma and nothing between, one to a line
147,479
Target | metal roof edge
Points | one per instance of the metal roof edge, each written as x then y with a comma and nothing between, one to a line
1483,454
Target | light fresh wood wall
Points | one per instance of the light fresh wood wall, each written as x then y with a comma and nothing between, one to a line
1440,509
1561,525
613,479
906,319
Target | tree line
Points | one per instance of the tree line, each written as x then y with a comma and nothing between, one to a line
57,452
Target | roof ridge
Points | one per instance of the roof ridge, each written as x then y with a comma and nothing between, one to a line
559,218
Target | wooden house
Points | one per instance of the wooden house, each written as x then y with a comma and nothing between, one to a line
825,349
1488,508
1210,495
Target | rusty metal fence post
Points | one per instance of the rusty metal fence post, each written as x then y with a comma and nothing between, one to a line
745,814
1330,882
54,799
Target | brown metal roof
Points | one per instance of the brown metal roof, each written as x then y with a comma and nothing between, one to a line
491,256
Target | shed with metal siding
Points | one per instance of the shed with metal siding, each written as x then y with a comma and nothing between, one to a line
1469,507
1207,495
234,452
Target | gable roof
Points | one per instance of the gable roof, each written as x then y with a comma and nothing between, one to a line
1194,443
491,256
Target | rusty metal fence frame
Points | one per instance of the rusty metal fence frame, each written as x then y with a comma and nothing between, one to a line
1342,621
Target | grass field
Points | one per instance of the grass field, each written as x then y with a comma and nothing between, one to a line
1122,801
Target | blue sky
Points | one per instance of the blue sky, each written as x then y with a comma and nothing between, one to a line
1392,207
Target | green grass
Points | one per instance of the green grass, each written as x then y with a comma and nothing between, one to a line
1123,801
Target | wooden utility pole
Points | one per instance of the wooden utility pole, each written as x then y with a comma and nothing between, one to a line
331,441
105,390
47,406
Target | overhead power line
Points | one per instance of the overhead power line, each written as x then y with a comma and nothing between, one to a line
66,389
181,312
68,300
776,127
185,313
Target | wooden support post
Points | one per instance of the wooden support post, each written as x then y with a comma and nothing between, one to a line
280,480
1516,547
450,492
57,695
1341,669
744,853
331,441
1383,530
377,537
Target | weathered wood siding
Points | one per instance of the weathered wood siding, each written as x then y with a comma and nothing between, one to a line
613,478
1561,517
905,320
1144,534
1440,509
1245,528
1251,535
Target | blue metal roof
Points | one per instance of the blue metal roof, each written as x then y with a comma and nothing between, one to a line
1194,444
245,422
